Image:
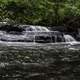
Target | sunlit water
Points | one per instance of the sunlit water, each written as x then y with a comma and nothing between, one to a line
69,38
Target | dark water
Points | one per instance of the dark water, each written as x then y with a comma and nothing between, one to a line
39,63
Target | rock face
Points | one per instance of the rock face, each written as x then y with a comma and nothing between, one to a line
26,33
32,34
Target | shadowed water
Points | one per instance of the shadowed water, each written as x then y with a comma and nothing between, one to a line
38,61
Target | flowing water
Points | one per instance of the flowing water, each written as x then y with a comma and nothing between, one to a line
69,38
33,35
22,58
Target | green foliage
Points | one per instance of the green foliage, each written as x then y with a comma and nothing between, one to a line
40,12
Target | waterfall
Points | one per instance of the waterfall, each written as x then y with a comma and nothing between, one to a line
31,32
37,31
69,38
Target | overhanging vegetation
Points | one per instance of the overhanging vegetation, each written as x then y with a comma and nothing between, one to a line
40,12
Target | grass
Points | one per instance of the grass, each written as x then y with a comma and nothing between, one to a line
39,64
